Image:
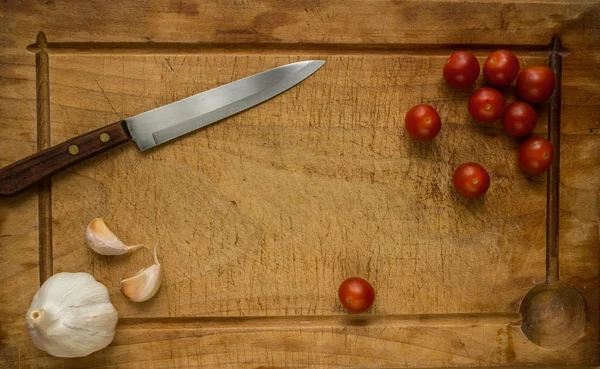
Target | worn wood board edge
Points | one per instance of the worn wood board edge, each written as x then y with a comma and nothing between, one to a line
324,321
42,79
553,183
302,49
43,49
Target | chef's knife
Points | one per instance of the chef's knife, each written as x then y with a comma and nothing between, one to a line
158,125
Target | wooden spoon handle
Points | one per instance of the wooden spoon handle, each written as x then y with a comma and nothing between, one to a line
32,169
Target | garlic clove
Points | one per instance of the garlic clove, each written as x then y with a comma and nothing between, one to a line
102,240
71,316
143,284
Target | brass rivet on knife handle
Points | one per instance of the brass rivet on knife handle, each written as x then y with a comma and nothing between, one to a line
73,149
104,137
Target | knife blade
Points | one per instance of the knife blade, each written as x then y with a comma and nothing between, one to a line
157,126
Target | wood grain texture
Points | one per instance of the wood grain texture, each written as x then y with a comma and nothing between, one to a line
275,206
323,173
302,21
19,255
338,347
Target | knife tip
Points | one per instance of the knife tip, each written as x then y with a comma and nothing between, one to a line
318,63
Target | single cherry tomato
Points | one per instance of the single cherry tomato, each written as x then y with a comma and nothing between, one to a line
486,105
461,70
536,84
471,180
501,68
356,294
535,155
519,119
422,122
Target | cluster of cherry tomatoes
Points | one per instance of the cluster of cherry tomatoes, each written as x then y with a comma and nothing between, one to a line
487,105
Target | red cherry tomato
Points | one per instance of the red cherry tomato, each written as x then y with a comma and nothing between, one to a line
486,105
519,119
501,68
535,155
356,294
536,84
422,122
471,180
461,70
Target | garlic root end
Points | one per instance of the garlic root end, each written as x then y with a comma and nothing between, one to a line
41,319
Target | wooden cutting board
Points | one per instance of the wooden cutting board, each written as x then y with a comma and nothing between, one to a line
260,217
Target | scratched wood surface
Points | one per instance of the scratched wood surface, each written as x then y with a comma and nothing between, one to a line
260,217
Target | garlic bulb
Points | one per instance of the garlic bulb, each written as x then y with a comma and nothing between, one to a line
102,240
143,284
71,316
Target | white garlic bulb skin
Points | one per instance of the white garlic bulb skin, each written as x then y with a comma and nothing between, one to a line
71,316
103,241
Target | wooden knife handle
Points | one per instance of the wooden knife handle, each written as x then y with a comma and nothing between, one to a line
32,169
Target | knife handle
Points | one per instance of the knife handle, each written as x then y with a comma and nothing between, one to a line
32,169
